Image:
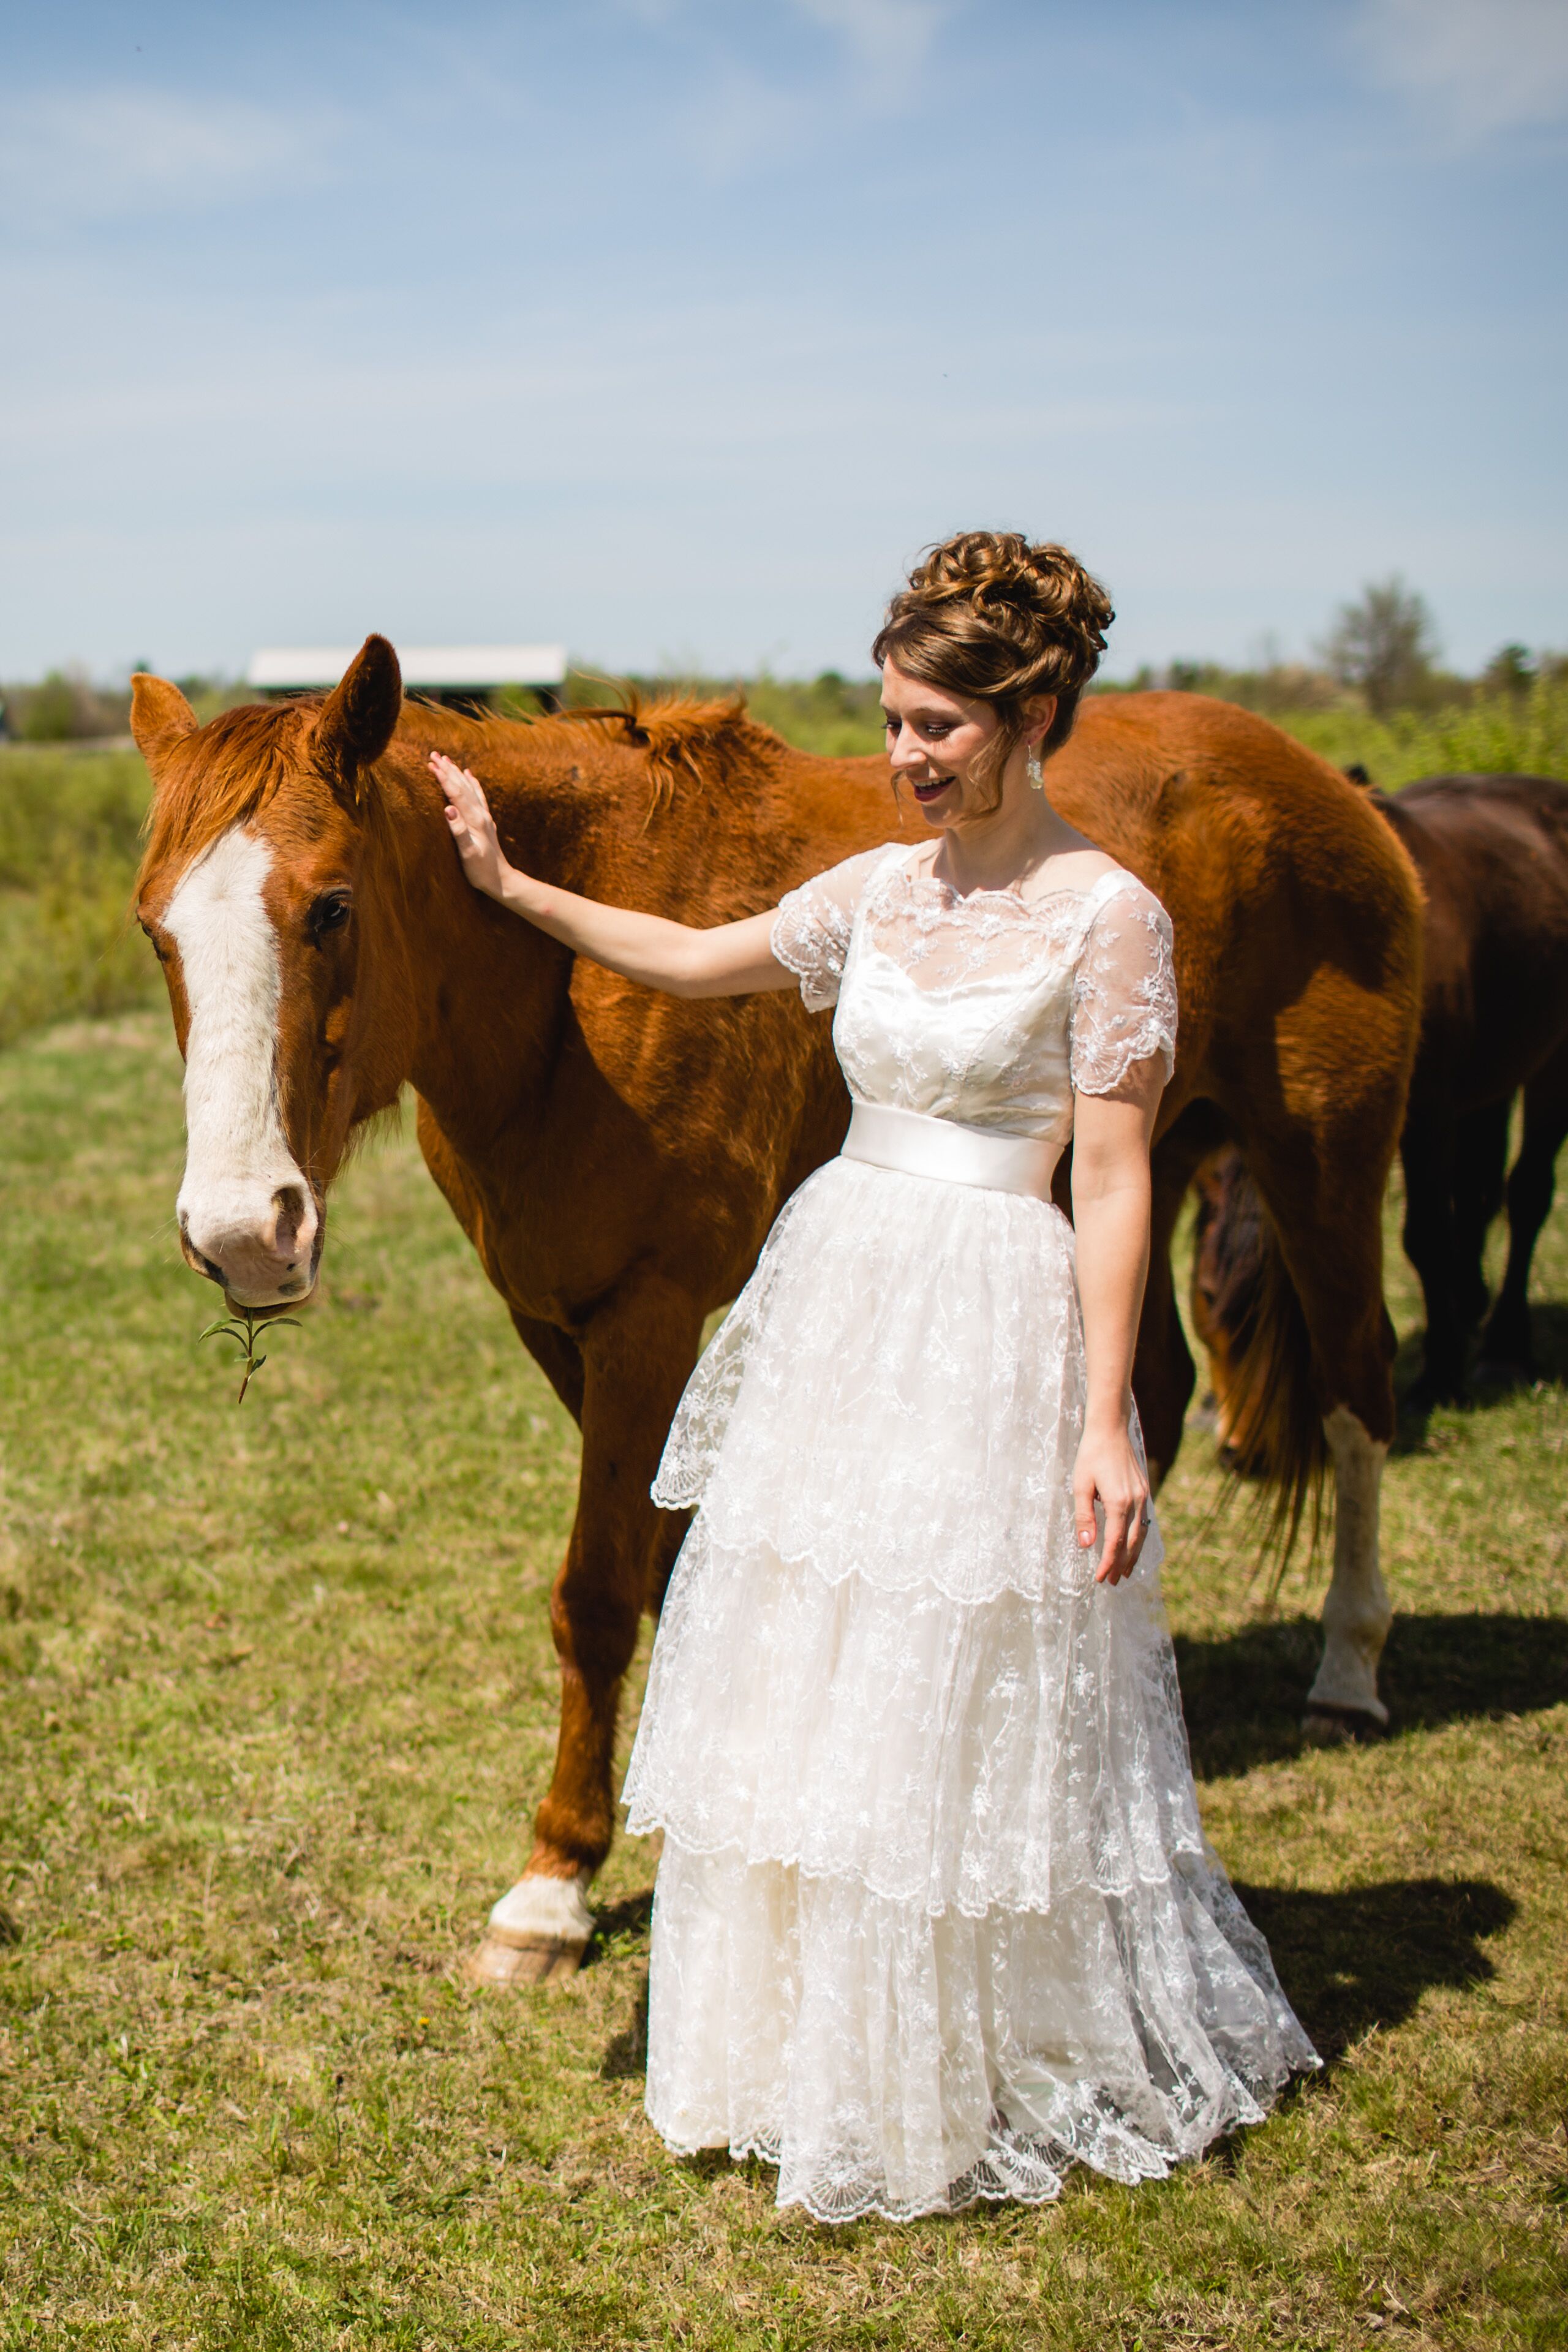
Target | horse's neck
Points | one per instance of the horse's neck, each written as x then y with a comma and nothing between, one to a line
476,996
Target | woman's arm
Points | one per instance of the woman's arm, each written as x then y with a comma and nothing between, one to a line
730,960
1111,1196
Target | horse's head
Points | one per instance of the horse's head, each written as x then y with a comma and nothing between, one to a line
250,893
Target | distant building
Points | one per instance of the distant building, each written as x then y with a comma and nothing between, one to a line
453,675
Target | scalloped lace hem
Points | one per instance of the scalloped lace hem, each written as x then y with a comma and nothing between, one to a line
952,1753
971,1903
679,1488
734,1524
894,2064
1011,2172
1014,2168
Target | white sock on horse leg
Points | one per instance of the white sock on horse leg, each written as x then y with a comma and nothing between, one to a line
1357,1612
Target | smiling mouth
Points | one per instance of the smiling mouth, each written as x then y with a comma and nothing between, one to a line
934,791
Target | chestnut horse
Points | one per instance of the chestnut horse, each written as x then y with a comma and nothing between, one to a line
1492,855
616,1157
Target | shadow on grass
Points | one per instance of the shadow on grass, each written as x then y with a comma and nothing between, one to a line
626,1922
1244,1696
631,1917
1489,1385
626,2057
1364,1955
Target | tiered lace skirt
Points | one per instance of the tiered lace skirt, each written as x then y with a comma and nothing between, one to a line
935,1914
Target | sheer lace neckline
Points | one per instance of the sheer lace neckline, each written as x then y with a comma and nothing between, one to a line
1009,892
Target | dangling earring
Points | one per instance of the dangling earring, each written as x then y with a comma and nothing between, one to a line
1035,772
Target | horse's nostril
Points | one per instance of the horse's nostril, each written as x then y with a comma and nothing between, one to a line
289,1203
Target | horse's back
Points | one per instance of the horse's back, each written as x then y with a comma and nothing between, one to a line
1296,912
1492,853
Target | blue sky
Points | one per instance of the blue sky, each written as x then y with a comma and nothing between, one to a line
673,328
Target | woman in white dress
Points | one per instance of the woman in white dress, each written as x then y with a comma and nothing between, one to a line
935,1914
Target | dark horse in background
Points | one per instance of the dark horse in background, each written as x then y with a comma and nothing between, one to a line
616,1157
1492,855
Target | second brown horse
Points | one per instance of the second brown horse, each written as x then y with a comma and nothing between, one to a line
1492,855
616,1157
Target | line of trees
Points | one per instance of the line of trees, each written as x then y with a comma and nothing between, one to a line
1380,655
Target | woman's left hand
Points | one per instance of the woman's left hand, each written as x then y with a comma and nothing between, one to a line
471,825
1107,1471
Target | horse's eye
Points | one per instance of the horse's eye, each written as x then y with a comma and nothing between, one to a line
330,913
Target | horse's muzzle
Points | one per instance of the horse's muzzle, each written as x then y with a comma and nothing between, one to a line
270,1262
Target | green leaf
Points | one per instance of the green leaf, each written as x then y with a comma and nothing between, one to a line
244,1328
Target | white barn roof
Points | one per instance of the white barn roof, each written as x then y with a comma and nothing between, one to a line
281,667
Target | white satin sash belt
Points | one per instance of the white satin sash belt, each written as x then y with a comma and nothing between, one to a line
917,1145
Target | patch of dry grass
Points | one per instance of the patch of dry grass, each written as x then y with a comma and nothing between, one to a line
277,1696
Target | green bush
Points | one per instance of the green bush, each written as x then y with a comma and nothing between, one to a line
838,718
1498,733
50,716
69,840
64,708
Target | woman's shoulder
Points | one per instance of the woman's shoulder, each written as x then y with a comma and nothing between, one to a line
1094,876
1075,873
845,881
1118,886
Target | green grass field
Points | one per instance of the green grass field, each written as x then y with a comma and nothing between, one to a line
277,1696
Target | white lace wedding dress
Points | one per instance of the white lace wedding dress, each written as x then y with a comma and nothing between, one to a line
935,1914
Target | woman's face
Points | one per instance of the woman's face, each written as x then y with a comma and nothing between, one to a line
934,741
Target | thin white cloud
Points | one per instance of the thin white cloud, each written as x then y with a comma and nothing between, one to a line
739,122
98,153
888,37
742,116
1480,67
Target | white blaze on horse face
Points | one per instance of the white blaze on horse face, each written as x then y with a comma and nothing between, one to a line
244,1206
1357,1613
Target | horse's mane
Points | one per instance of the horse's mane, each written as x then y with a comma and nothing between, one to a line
687,742
227,771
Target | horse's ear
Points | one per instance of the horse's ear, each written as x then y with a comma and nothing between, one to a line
359,717
160,717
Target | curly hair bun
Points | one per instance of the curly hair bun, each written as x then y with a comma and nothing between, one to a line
999,618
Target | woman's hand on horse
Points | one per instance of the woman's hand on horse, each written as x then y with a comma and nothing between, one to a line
471,825
1107,1471
730,959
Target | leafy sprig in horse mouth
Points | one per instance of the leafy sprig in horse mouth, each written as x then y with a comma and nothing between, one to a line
243,1324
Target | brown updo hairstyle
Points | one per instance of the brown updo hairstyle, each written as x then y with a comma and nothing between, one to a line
994,618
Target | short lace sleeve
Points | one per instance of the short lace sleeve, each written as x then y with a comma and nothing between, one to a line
1124,991
810,931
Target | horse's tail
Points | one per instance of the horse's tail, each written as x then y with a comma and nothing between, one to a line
1248,1315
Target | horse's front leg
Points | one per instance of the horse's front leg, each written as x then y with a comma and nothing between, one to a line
637,1354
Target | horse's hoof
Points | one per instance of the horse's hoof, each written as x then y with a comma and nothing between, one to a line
1340,1726
525,1960
1501,1373
537,1933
